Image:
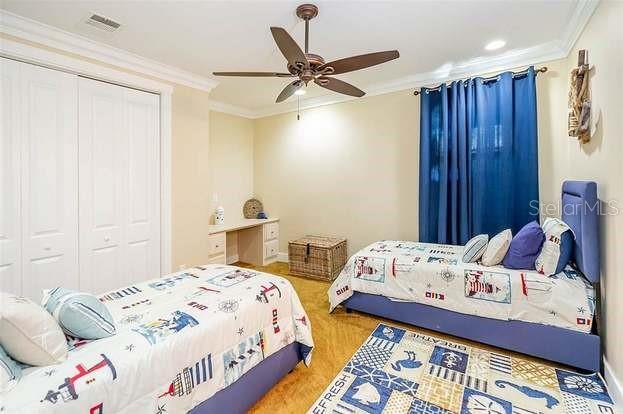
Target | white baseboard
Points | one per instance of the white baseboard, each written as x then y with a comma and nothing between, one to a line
232,259
282,257
614,385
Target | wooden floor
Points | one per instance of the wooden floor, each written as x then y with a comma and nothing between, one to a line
336,337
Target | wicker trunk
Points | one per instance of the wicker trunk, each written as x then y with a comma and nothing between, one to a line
317,257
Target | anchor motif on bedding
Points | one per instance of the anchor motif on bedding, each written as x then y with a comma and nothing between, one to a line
410,362
530,392
85,375
267,293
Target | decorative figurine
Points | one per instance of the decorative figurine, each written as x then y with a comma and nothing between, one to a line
219,215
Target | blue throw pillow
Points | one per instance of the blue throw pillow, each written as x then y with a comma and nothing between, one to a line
79,314
566,250
10,371
525,247
475,247
557,249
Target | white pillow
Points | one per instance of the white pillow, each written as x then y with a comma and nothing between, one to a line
557,248
475,248
497,248
28,333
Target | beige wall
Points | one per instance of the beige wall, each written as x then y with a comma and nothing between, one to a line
351,169
347,170
231,163
231,169
191,207
600,160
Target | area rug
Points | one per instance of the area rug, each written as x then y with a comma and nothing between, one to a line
400,371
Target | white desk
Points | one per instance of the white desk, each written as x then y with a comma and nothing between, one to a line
254,241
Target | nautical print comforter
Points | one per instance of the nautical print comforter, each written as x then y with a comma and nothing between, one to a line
435,275
179,340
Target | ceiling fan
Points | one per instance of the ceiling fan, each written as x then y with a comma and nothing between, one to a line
309,67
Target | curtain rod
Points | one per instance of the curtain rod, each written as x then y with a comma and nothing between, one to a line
542,69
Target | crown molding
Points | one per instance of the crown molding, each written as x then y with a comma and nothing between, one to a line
33,31
580,17
49,58
226,108
545,52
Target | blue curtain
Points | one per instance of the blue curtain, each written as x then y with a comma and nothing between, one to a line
478,158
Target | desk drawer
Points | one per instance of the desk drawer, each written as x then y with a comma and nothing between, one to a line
271,249
271,231
216,244
217,259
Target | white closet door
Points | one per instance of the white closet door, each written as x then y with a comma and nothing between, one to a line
143,201
49,187
119,186
102,158
10,151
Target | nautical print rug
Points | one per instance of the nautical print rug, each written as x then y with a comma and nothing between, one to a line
400,371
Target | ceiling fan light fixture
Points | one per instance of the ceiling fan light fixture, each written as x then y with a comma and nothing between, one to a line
310,67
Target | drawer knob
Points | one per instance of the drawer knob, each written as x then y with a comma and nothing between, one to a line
106,239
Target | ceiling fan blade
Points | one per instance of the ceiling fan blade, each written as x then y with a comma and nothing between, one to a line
339,86
352,63
288,90
290,50
255,74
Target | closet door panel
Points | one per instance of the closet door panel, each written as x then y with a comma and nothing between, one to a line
10,215
143,219
103,186
49,191
119,186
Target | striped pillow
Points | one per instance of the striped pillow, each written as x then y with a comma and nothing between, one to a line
10,371
474,248
79,314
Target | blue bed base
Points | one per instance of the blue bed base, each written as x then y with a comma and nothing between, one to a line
577,349
242,394
565,346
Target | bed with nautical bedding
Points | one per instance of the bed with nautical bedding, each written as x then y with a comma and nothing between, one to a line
203,340
435,275
428,285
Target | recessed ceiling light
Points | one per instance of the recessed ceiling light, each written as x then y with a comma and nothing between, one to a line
495,45
300,91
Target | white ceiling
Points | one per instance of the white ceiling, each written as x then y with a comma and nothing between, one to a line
434,37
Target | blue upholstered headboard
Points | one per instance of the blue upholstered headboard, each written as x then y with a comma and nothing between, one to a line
580,210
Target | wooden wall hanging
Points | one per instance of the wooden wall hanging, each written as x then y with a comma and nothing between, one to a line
579,121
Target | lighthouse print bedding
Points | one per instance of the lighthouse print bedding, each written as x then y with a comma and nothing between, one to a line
179,340
435,275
